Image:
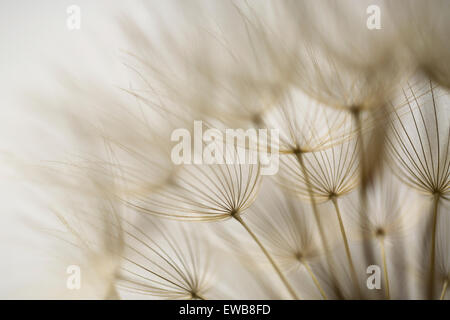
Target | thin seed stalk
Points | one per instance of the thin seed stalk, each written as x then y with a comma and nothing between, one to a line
344,237
197,296
368,250
444,289
112,293
314,279
433,246
385,269
318,222
269,257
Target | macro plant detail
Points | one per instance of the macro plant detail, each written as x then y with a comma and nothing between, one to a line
358,118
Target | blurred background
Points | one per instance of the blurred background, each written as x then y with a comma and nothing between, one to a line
35,44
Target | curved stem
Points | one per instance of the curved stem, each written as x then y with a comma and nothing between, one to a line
323,238
266,253
347,247
314,279
444,289
433,247
385,269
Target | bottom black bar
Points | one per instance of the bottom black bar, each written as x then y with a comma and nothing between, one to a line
217,309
